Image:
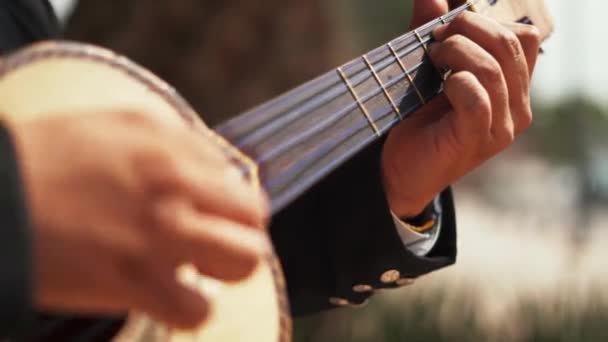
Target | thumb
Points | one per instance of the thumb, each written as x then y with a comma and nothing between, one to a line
427,10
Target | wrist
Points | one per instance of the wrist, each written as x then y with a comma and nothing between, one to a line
410,206
424,222
404,200
406,209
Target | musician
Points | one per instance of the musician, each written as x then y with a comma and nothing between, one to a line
97,210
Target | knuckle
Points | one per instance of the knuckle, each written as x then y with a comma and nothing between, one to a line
479,103
455,42
165,215
170,166
157,168
531,35
465,78
510,43
526,119
477,100
504,137
149,158
462,20
490,70
166,164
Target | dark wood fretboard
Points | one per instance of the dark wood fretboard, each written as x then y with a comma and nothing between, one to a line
301,136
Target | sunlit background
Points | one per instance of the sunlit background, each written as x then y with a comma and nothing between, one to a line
533,264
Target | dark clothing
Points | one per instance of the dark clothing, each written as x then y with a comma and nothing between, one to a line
15,255
332,238
25,21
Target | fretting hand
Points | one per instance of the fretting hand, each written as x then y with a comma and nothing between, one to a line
118,201
485,105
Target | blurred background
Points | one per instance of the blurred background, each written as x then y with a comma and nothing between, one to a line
532,265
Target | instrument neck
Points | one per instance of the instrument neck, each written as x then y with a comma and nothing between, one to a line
298,138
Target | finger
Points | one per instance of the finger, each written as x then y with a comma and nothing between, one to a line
226,193
99,292
506,48
215,189
217,247
202,147
472,112
427,10
530,39
155,289
458,53
430,113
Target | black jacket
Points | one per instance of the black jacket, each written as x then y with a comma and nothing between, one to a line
332,238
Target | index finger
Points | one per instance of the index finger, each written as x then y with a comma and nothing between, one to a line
427,10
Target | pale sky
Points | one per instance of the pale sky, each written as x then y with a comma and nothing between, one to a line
576,53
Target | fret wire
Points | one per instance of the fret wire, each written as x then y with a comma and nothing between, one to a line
421,41
293,186
327,122
245,137
324,150
287,191
426,51
407,73
386,93
358,100
284,121
250,138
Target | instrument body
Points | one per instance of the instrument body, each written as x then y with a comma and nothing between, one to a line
47,79
59,78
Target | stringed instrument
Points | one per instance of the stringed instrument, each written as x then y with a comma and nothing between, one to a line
285,145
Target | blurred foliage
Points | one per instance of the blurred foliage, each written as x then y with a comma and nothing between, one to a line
375,24
564,131
223,56
573,133
427,319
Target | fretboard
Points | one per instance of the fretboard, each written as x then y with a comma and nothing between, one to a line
301,136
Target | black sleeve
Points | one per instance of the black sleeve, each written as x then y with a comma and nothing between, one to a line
23,22
15,254
338,242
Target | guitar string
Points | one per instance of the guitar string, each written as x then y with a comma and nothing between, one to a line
248,138
333,118
323,150
321,98
290,176
287,178
267,107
